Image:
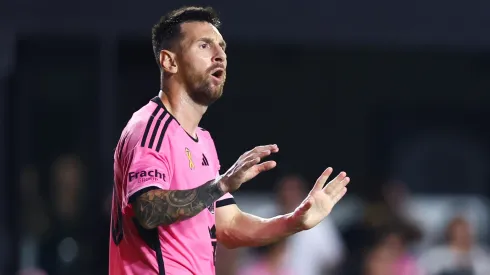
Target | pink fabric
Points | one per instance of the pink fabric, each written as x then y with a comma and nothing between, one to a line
187,247
406,265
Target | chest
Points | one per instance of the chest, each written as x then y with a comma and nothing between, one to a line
193,165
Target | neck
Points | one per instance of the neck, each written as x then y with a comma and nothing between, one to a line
184,109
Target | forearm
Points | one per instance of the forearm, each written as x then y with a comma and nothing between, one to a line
250,230
164,207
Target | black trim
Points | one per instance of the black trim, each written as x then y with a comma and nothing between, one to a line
158,101
140,192
148,125
157,126
225,202
151,238
162,134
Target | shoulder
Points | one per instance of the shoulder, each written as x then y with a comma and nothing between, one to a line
204,131
207,139
150,128
205,135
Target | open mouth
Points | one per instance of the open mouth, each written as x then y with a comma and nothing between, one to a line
218,73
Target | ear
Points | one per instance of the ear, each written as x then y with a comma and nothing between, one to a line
168,62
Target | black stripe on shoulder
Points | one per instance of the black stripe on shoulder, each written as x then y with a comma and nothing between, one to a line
140,192
155,130
162,134
225,202
158,101
148,125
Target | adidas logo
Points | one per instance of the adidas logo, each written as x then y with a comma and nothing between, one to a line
204,161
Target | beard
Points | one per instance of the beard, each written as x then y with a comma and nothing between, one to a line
202,90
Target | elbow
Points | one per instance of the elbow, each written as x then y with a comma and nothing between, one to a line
226,241
234,246
152,222
229,245
147,226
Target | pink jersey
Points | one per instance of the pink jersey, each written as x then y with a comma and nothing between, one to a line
154,151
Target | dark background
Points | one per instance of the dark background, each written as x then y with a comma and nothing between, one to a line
380,89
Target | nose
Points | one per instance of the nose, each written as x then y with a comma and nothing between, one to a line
220,56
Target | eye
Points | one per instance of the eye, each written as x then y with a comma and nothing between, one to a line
204,45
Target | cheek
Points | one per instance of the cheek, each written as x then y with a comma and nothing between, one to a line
194,70
204,54
197,59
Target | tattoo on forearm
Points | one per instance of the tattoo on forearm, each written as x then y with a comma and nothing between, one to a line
164,207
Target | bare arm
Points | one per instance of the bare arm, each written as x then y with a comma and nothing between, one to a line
235,228
164,207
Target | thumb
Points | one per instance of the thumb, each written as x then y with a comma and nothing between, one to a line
305,206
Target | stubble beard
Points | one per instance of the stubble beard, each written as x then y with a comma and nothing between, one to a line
202,92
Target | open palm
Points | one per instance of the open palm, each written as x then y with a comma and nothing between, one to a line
321,200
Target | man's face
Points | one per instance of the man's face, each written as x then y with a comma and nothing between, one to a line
202,61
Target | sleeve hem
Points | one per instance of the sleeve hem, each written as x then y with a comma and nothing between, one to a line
225,202
136,193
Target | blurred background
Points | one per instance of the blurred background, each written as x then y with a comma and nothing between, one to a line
395,93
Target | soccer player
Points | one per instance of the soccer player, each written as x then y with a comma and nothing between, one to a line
170,204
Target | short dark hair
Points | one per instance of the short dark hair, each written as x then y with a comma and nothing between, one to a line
167,30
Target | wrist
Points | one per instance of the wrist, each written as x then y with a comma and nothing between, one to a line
292,223
221,185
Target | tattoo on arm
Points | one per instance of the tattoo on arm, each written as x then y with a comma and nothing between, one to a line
164,207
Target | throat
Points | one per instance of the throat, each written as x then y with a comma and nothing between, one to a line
187,113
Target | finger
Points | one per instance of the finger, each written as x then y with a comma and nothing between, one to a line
259,155
305,207
249,163
263,154
265,166
254,151
339,195
336,184
343,184
270,147
320,182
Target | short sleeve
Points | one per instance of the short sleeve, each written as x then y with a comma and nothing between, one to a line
147,170
225,200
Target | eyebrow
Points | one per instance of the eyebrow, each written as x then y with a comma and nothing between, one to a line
222,43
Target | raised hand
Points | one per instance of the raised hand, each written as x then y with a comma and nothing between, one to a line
247,167
320,201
